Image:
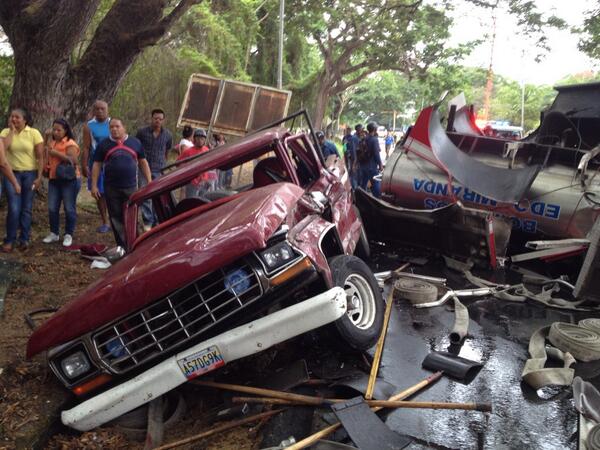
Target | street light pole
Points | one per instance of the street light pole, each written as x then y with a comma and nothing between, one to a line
280,50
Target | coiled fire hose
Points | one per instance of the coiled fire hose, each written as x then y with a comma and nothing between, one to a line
570,343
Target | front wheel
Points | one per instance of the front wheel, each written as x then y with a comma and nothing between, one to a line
361,326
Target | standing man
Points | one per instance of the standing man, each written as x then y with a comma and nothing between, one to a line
355,142
120,156
94,132
350,156
156,141
389,141
328,148
369,160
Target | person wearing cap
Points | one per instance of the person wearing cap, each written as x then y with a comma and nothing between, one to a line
328,148
205,181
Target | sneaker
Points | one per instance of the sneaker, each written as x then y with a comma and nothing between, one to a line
51,238
147,227
68,240
104,228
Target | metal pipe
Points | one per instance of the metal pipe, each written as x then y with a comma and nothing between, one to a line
480,292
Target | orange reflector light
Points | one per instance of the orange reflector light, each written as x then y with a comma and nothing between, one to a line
92,384
292,271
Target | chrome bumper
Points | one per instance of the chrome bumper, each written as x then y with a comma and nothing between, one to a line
242,341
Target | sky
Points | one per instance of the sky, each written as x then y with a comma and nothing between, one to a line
514,55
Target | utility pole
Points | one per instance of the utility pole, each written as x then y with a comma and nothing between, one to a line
523,94
280,50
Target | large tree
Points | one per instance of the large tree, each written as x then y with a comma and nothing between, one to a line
359,37
59,73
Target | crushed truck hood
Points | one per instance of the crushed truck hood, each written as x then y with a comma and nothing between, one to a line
171,259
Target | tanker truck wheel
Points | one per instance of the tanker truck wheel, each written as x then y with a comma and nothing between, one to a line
361,326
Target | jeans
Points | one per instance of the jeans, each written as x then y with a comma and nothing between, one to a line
365,175
19,206
66,192
148,215
115,200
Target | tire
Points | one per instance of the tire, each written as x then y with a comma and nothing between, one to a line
361,326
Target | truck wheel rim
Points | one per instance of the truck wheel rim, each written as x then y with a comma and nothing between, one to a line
361,301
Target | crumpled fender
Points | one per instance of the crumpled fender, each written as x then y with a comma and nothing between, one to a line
305,236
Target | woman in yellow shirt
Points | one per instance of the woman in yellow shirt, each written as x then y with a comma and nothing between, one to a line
25,153
65,181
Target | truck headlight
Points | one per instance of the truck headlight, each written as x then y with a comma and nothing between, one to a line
75,365
278,256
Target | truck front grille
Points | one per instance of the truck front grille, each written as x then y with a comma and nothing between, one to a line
177,318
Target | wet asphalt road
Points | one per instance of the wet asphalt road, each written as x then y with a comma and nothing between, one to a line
499,335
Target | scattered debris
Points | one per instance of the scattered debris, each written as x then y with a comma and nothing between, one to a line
451,365
220,428
417,292
400,396
379,347
588,283
38,314
461,322
365,428
451,230
571,342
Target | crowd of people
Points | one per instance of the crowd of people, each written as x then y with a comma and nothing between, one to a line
114,163
362,157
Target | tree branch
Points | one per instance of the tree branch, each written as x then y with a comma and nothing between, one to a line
128,28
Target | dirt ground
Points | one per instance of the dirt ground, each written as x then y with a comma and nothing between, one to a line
30,395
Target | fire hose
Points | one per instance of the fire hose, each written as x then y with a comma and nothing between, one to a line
570,342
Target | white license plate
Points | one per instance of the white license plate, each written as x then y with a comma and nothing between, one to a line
201,362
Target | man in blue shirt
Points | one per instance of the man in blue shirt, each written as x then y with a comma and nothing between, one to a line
94,132
328,148
369,161
352,144
120,155
157,141
389,141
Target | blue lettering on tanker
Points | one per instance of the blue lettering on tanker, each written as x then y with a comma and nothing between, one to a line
537,208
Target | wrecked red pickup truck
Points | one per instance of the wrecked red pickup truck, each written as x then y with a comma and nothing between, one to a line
221,277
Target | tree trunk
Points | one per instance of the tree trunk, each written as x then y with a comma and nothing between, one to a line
323,92
44,33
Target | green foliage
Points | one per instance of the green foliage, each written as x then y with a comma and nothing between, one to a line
212,38
222,36
590,41
506,102
584,77
389,91
7,73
